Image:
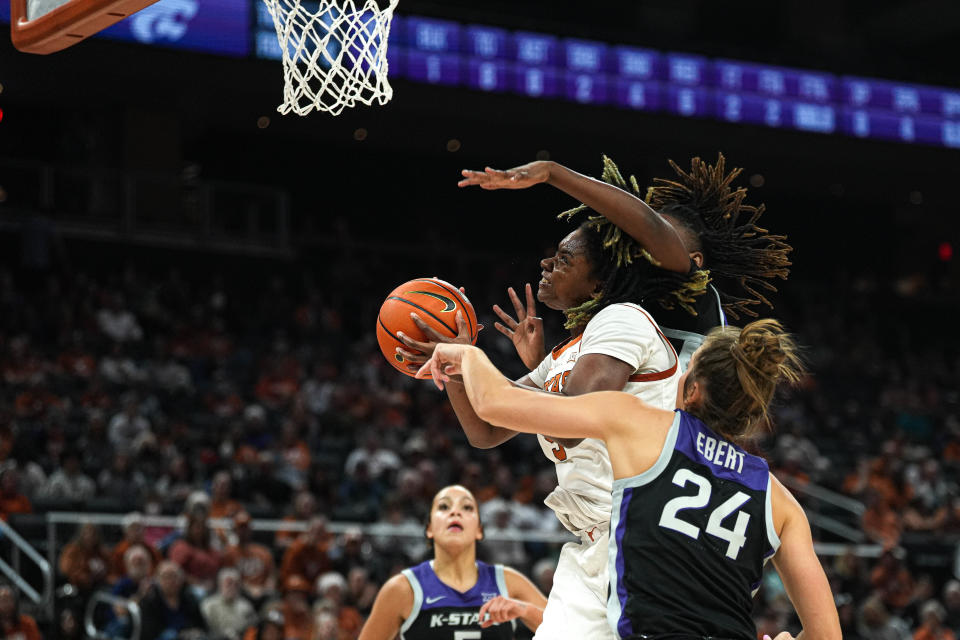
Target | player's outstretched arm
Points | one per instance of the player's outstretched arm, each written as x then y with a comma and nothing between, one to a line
800,569
392,606
500,402
623,209
525,602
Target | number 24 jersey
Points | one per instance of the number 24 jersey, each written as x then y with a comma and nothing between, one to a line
689,538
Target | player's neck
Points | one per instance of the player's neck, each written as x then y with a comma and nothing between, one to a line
457,570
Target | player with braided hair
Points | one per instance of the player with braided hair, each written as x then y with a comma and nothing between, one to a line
614,345
695,223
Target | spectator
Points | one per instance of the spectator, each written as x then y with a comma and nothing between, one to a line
298,624
196,555
309,556
951,600
133,533
331,588
127,427
361,591
13,624
271,627
222,505
932,616
117,322
134,585
69,482
253,561
169,607
137,571
876,623
377,458
121,481
893,581
11,500
880,522
84,560
227,612
304,508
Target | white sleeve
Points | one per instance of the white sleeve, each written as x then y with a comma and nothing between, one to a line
539,375
624,332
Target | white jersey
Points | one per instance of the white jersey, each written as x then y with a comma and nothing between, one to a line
582,499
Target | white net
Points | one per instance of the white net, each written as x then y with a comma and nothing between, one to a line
334,53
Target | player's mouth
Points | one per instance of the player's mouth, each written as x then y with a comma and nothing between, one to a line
543,281
455,526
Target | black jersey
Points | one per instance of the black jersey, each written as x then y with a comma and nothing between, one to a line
689,538
687,331
440,612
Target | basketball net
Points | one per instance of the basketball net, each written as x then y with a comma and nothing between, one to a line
334,53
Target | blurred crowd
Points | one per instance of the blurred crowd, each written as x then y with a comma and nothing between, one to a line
242,398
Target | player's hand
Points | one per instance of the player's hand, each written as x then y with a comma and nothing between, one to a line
526,330
444,363
499,610
421,351
520,177
780,636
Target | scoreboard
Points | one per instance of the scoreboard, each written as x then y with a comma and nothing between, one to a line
544,66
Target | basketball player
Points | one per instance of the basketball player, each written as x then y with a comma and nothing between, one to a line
614,345
695,517
702,224
454,596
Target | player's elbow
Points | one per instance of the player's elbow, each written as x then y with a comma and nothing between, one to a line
486,440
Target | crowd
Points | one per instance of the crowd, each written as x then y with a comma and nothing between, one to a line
214,396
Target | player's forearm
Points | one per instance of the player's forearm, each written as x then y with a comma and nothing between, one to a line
628,212
532,616
480,433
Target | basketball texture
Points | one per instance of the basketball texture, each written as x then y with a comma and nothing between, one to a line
436,303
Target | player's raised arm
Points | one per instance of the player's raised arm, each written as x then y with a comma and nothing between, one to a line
623,209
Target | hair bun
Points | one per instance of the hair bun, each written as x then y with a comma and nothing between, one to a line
768,349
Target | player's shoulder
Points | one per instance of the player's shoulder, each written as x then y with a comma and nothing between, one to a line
620,316
628,311
398,586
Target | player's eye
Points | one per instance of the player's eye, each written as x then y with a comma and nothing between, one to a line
443,506
468,507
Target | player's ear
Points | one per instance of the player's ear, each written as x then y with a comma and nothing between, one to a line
480,532
697,258
692,394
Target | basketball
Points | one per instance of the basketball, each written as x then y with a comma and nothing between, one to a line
435,301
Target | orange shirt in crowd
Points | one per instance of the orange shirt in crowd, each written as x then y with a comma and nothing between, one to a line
923,633
895,585
25,629
349,621
14,504
253,561
84,568
305,559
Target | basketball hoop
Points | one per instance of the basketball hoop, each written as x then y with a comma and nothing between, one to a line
334,53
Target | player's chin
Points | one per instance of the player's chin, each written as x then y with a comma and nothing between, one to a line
545,293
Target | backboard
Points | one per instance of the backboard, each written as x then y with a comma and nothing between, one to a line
46,26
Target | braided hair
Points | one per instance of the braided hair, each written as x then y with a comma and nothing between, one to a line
626,270
737,249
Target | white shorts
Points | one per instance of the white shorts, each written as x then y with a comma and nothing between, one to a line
577,606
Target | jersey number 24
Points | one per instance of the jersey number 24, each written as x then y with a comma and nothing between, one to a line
736,537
